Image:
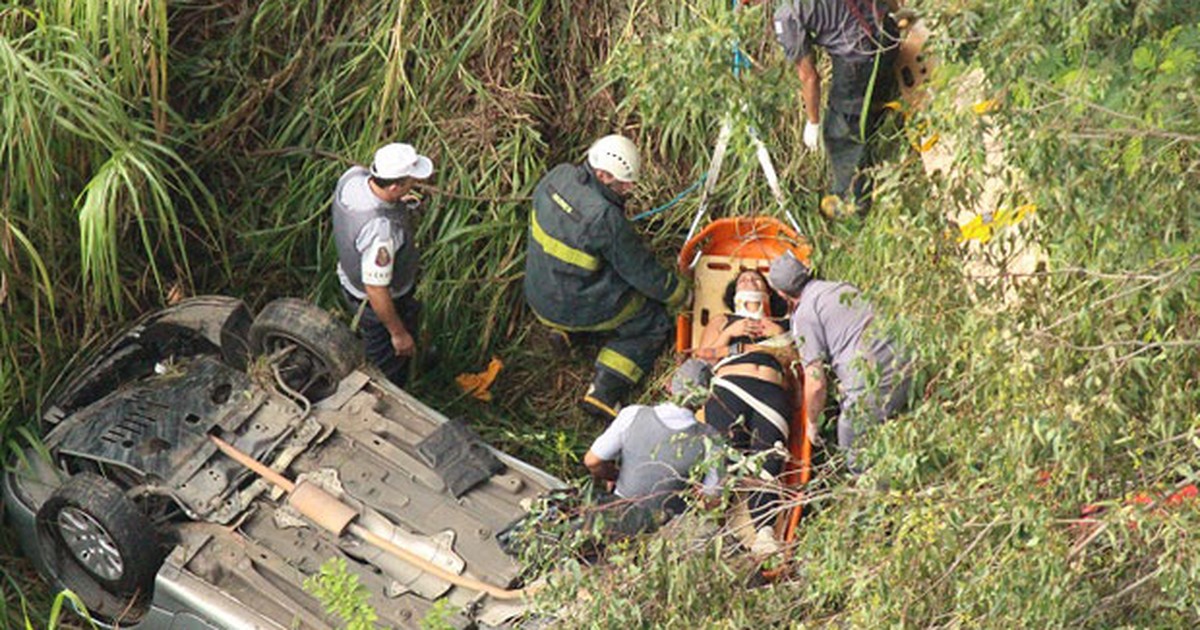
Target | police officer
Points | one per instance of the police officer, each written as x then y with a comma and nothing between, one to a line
587,271
831,326
647,454
377,256
862,41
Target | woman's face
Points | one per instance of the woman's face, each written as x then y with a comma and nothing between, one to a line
751,297
751,281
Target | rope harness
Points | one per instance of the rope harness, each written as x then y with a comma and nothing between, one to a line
709,179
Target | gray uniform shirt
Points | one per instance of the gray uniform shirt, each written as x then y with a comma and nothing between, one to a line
832,25
657,447
830,325
373,238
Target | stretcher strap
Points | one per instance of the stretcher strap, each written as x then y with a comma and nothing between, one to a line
768,167
728,358
757,405
714,170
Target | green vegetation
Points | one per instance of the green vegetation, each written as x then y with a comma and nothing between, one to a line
341,594
151,147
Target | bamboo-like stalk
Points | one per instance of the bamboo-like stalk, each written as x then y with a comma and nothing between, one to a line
66,119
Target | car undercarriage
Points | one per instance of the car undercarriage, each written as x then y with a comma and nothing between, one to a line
132,506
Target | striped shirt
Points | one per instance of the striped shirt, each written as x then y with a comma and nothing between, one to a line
848,29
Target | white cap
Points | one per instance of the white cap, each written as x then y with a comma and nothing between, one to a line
617,155
398,160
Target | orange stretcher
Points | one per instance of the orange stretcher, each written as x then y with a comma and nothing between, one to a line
714,257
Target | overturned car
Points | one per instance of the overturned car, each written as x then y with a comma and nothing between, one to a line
205,463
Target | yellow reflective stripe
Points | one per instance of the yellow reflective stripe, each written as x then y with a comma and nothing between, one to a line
680,291
628,311
620,364
598,403
561,250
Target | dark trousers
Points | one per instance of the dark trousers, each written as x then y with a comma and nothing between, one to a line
848,136
867,406
636,343
748,431
377,340
622,518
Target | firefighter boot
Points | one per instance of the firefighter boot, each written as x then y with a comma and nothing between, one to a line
603,397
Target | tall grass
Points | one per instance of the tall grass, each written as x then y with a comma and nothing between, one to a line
496,93
76,145
111,159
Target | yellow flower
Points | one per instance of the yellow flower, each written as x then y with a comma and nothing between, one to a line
929,142
834,207
981,228
985,107
975,230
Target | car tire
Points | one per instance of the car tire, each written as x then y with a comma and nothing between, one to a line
235,337
323,350
92,534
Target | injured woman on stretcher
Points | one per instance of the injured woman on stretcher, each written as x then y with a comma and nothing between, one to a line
751,403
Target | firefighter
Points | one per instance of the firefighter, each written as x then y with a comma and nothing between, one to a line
586,270
862,40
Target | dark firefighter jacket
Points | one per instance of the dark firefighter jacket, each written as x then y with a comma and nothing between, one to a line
585,268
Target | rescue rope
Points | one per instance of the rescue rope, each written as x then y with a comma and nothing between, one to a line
666,206
740,61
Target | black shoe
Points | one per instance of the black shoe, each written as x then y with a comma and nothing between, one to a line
603,398
431,356
560,341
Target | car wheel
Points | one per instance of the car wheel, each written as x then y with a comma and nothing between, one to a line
317,350
92,534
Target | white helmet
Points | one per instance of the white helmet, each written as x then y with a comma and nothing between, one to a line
617,155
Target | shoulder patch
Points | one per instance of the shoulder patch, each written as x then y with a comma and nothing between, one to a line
562,203
383,257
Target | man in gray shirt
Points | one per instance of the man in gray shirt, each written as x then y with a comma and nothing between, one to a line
656,448
377,256
831,326
862,41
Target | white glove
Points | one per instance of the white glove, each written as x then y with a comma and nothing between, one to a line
812,135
